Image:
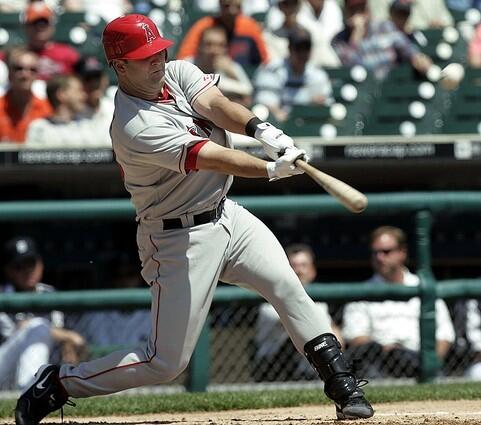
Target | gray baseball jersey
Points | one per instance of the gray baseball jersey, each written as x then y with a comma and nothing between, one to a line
151,139
183,265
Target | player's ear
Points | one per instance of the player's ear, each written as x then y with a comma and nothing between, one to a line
119,66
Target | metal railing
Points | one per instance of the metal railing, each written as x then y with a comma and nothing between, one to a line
423,205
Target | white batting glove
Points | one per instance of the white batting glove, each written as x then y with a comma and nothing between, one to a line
273,140
285,165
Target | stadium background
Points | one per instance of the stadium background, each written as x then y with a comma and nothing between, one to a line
382,144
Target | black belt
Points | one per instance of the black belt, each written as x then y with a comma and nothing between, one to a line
202,218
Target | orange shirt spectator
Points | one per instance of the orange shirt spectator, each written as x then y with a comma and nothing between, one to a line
14,122
246,45
39,26
19,106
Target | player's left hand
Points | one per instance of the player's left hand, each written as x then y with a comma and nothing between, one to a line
274,141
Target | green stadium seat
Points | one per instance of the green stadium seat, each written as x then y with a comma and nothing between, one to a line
78,21
465,111
356,94
306,120
11,32
395,105
429,41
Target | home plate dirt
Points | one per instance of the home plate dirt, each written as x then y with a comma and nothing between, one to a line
413,413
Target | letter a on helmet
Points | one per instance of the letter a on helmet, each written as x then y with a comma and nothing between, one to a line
132,37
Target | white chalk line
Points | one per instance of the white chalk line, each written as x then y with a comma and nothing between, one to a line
441,413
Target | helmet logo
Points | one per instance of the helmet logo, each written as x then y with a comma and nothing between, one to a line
149,35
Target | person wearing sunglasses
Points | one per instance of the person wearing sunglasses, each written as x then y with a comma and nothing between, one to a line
384,335
19,106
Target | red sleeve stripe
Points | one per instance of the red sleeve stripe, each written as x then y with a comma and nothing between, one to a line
192,152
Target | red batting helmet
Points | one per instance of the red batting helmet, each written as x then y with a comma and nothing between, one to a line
132,37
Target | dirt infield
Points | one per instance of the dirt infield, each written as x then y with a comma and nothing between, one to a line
412,413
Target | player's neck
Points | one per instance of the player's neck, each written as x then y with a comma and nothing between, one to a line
141,92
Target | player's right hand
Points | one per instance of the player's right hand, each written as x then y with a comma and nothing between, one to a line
273,140
285,165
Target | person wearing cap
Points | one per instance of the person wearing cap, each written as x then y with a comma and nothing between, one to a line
39,27
282,84
27,339
246,44
171,137
67,126
377,46
95,80
19,106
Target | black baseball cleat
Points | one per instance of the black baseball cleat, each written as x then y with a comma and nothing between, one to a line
44,396
355,406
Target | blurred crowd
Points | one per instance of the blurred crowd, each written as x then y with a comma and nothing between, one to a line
272,55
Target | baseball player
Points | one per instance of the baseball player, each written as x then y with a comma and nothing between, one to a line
169,136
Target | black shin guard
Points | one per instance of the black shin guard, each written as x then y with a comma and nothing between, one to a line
324,354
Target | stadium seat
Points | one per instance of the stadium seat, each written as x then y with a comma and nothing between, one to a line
465,112
356,89
11,32
306,120
407,104
437,44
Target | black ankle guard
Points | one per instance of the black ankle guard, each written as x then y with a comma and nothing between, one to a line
324,354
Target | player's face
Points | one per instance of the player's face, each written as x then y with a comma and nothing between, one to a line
145,75
387,257
302,264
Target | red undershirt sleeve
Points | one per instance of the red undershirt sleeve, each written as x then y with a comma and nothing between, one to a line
192,152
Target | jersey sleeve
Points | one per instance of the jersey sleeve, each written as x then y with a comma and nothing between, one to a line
164,146
192,80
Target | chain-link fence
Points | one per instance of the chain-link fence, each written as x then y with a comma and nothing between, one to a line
249,345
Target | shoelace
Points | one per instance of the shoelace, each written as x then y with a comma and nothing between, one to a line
68,403
355,367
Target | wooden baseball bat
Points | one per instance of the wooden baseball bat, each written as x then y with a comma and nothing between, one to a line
351,198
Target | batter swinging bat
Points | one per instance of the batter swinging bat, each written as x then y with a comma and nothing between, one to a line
351,198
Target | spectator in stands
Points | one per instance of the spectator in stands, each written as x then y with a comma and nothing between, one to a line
399,13
275,354
474,49
249,7
105,9
39,26
311,15
16,6
246,45
384,335
66,127
425,14
100,106
27,339
276,33
19,107
213,58
281,84
473,336
379,47
463,5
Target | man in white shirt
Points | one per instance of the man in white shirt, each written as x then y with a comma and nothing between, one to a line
385,335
